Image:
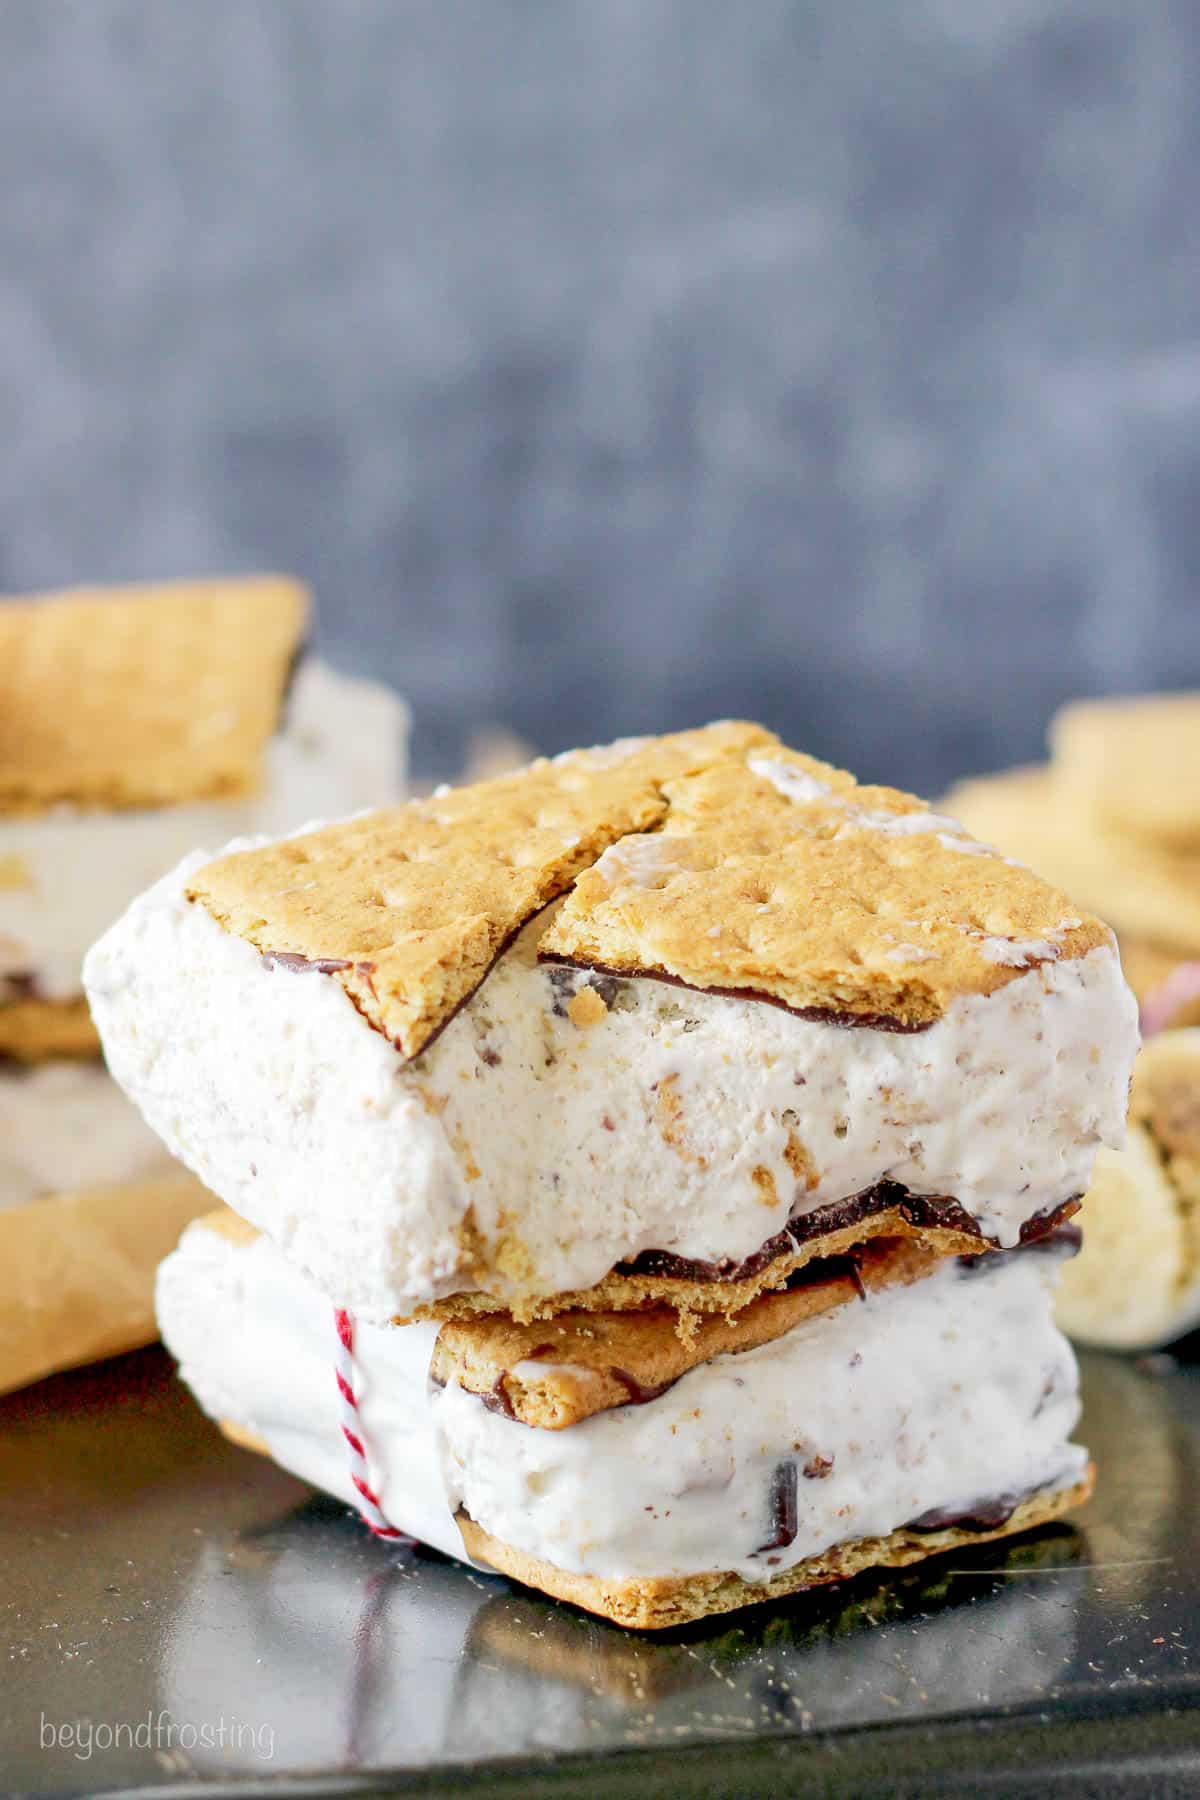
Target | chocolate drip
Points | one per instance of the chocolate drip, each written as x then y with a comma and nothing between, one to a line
640,1391
784,1505
818,1015
981,1515
497,1400
1062,1239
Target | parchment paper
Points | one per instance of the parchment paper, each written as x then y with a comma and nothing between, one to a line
77,1272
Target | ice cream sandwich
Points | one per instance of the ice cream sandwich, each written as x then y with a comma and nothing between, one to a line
669,1015
679,1097
134,724
917,1413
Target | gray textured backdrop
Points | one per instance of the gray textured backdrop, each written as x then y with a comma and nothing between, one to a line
614,362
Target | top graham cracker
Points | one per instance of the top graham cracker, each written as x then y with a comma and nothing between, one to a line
143,696
714,858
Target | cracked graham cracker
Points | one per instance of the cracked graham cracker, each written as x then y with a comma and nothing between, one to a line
143,696
714,858
775,876
409,908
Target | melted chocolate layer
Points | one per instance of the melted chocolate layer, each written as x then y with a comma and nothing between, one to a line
498,1401
639,1391
982,1515
919,1209
317,965
818,1015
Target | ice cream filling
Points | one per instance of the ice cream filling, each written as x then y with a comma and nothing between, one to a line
941,1402
65,875
565,1122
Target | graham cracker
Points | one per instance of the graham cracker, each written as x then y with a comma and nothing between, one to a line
78,1272
817,898
1133,764
714,858
36,1031
408,908
552,1376
655,1603
1141,889
143,696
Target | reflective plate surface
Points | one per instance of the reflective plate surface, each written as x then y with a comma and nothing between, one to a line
179,1614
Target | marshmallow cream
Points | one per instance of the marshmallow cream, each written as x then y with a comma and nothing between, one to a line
937,1398
69,874
572,1137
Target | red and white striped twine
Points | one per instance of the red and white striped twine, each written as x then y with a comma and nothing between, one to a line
360,1474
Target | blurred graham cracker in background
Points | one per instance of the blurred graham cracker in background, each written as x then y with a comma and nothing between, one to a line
1114,819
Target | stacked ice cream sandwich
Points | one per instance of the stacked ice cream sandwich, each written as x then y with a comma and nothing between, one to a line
134,724
648,1170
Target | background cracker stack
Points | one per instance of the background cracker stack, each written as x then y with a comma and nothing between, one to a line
647,1123
1114,819
134,724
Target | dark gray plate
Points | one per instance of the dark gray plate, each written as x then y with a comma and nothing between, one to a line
180,1614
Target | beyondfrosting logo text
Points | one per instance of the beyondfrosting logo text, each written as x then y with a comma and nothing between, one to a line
157,1731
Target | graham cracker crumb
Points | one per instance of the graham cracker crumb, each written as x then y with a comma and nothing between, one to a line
586,1008
764,1181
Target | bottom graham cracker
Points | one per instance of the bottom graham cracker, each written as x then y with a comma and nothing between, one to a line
657,1602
